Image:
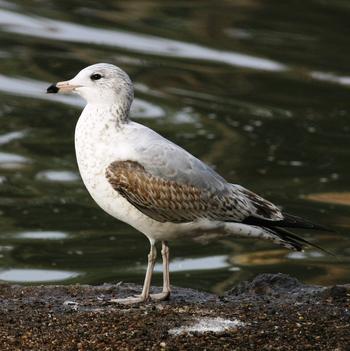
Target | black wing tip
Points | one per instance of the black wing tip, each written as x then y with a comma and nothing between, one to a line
299,222
298,242
288,221
291,221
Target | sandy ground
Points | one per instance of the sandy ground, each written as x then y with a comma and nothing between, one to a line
272,312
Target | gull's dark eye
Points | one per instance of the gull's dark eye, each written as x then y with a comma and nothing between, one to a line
95,76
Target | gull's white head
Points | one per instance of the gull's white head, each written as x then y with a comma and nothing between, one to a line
101,83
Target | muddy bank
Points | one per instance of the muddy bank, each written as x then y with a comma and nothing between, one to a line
272,312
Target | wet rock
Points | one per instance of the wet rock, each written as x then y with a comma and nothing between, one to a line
336,293
272,286
267,284
271,312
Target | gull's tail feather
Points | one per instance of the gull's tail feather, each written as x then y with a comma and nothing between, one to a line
279,236
292,221
295,241
287,238
288,221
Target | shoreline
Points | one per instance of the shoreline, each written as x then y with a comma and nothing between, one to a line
271,312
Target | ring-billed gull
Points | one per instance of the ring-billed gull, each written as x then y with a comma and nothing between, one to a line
145,180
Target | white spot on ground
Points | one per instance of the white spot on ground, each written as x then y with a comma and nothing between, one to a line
72,304
206,324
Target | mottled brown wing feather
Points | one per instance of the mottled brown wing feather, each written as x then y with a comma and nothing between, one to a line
159,199
168,201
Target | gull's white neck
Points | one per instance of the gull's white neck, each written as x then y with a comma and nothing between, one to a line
98,131
103,115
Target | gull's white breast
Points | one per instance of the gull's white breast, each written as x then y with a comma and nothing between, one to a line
98,143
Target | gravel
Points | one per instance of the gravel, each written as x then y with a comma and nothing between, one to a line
272,312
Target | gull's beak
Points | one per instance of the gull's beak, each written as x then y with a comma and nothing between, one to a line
61,87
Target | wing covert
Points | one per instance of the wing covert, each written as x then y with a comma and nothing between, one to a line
167,200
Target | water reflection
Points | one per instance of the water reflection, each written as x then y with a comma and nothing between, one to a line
305,255
57,176
193,264
257,89
36,89
35,275
8,137
5,248
59,30
12,161
331,78
7,5
43,235
342,198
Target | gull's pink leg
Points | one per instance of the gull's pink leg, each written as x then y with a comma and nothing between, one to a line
164,295
148,278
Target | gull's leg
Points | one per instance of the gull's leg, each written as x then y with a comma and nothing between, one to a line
164,295
147,284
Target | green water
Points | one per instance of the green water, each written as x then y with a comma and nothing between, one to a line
258,89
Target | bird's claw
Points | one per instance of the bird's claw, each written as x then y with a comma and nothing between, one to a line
130,300
139,298
164,295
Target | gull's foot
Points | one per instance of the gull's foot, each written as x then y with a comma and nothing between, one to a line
131,300
161,296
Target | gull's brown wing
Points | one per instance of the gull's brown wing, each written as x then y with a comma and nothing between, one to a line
166,200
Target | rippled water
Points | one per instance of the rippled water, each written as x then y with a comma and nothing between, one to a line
258,89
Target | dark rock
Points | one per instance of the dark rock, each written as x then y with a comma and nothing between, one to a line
277,311
336,293
267,284
273,286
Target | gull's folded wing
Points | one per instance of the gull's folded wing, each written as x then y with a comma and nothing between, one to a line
167,200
